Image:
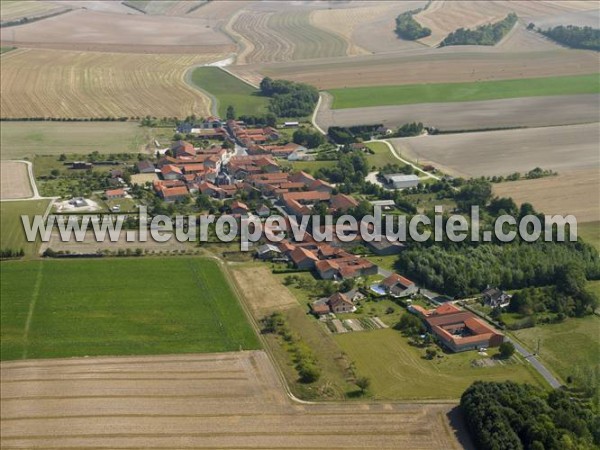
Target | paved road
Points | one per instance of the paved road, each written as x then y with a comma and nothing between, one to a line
536,364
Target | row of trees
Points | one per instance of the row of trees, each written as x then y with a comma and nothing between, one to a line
489,34
408,28
288,98
575,37
7,253
513,416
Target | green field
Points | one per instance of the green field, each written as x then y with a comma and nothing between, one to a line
382,155
130,306
6,49
590,232
399,371
24,139
567,345
463,92
11,228
228,90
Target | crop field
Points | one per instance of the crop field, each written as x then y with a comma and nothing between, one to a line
14,180
15,9
223,400
284,36
87,30
124,306
464,92
507,151
565,347
447,65
12,235
574,192
398,370
51,83
26,139
228,90
165,7
485,114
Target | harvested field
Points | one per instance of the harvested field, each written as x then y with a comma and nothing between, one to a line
574,192
16,9
232,400
15,180
506,113
98,85
87,30
283,36
491,153
165,7
447,65
26,139
254,282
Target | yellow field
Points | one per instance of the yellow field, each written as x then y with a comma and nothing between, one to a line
15,9
56,83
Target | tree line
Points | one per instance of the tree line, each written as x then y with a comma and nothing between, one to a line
489,34
587,38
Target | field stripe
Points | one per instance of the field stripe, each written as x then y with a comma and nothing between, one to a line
34,296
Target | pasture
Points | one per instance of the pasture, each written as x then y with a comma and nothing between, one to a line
142,306
228,90
26,139
399,371
12,235
96,85
219,400
464,92
14,180
566,347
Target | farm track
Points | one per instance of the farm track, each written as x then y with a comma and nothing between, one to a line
175,401
99,85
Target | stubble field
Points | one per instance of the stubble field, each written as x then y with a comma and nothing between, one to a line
54,83
14,180
225,400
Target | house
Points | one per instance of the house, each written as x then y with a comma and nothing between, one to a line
320,308
401,181
268,251
263,210
240,208
496,298
114,193
358,146
145,166
345,266
342,202
302,258
171,172
172,194
385,247
291,124
209,189
183,148
398,286
460,330
339,303
78,202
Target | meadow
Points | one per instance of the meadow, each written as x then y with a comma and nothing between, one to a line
53,309
25,139
590,232
228,90
400,371
12,235
461,92
568,346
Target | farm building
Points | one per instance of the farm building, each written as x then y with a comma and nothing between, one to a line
401,181
268,251
385,247
114,193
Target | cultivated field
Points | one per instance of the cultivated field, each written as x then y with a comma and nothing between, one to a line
26,139
486,114
566,347
165,7
574,192
446,65
283,36
52,83
228,90
503,152
87,30
12,235
14,180
128,306
16,9
231,400
464,92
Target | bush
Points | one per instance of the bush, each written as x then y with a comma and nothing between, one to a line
507,349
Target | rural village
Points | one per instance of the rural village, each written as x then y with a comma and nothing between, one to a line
251,109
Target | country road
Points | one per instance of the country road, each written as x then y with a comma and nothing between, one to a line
552,381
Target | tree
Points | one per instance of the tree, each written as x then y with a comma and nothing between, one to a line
230,113
430,353
507,349
476,192
363,384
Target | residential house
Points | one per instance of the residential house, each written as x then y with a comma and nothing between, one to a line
240,208
398,286
172,194
145,166
302,258
171,172
495,298
183,148
114,194
263,210
342,202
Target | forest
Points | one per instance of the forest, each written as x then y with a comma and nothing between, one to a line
587,38
489,34
511,416
289,99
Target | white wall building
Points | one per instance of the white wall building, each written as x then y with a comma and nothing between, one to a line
401,181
